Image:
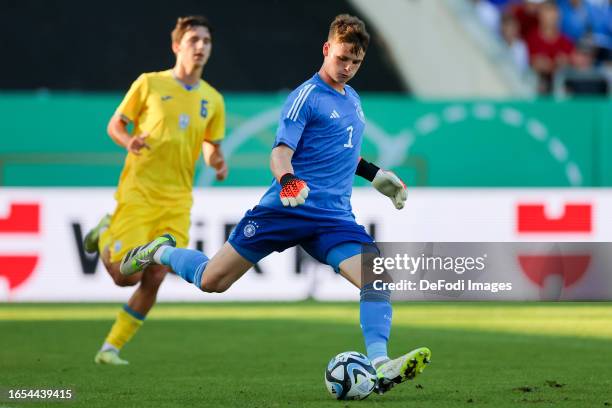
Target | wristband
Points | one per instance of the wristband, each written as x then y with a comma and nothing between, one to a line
366,169
286,178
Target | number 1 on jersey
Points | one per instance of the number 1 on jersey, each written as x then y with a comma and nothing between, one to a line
350,140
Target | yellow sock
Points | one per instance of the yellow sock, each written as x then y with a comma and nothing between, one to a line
127,324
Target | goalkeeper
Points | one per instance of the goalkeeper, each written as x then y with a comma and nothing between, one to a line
314,160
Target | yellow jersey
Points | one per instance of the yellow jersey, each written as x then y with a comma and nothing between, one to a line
178,119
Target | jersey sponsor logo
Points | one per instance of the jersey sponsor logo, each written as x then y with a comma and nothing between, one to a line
183,120
204,108
166,97
250,229
334,115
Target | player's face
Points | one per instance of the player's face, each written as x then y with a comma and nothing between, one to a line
341,62
195,47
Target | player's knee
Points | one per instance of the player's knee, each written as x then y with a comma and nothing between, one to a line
119,279
213,288
215,285
123,281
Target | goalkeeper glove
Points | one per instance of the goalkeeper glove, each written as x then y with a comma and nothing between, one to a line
387,183
293,190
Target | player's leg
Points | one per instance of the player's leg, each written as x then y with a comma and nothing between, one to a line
260,232
346,245
375,309
127,322
175,220
144,297
128,224
115,273
375,317
131,317
250,241
91,244
92,238
340,248
214,275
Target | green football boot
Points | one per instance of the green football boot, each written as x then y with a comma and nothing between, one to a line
401,369
109,357
90,243
137,259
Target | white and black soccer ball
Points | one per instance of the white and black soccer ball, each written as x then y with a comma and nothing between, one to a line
350,376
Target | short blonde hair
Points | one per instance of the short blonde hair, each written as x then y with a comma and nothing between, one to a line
349,29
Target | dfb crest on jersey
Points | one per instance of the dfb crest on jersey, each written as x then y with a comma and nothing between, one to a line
360,112
183,120
250,229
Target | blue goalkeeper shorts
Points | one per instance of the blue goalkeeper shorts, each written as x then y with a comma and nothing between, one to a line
264,230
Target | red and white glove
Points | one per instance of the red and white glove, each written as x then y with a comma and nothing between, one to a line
293,190
387,183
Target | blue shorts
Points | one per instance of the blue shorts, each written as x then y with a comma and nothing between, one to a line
263,230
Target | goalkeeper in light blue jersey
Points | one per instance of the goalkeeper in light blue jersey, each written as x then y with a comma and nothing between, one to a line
314,160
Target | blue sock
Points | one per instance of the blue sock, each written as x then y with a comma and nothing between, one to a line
375,316
133,313
186,263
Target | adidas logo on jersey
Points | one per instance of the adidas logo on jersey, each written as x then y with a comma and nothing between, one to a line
334,115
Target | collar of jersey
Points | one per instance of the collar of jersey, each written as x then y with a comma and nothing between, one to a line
184,85
318,78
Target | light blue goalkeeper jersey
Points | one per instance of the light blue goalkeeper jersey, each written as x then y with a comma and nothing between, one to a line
325,129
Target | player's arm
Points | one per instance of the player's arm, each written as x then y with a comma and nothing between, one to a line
280,161
386,182
294,117
128,111
213,156
117,130
213,136
294,191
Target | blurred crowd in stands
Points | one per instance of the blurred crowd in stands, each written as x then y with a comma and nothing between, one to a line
567,43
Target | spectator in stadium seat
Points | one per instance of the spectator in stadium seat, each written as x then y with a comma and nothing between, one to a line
548,48
602,32
526,13
511,36
502,5
577,19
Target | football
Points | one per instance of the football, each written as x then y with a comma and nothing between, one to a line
350,376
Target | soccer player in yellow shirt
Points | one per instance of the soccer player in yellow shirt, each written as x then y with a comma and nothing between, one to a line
175,116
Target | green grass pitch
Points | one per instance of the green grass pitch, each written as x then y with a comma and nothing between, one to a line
273,355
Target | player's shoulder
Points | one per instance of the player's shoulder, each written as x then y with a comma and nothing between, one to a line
351,91
157,75
155,78
208,91
306,92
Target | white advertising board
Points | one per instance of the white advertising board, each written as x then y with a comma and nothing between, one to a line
41,258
